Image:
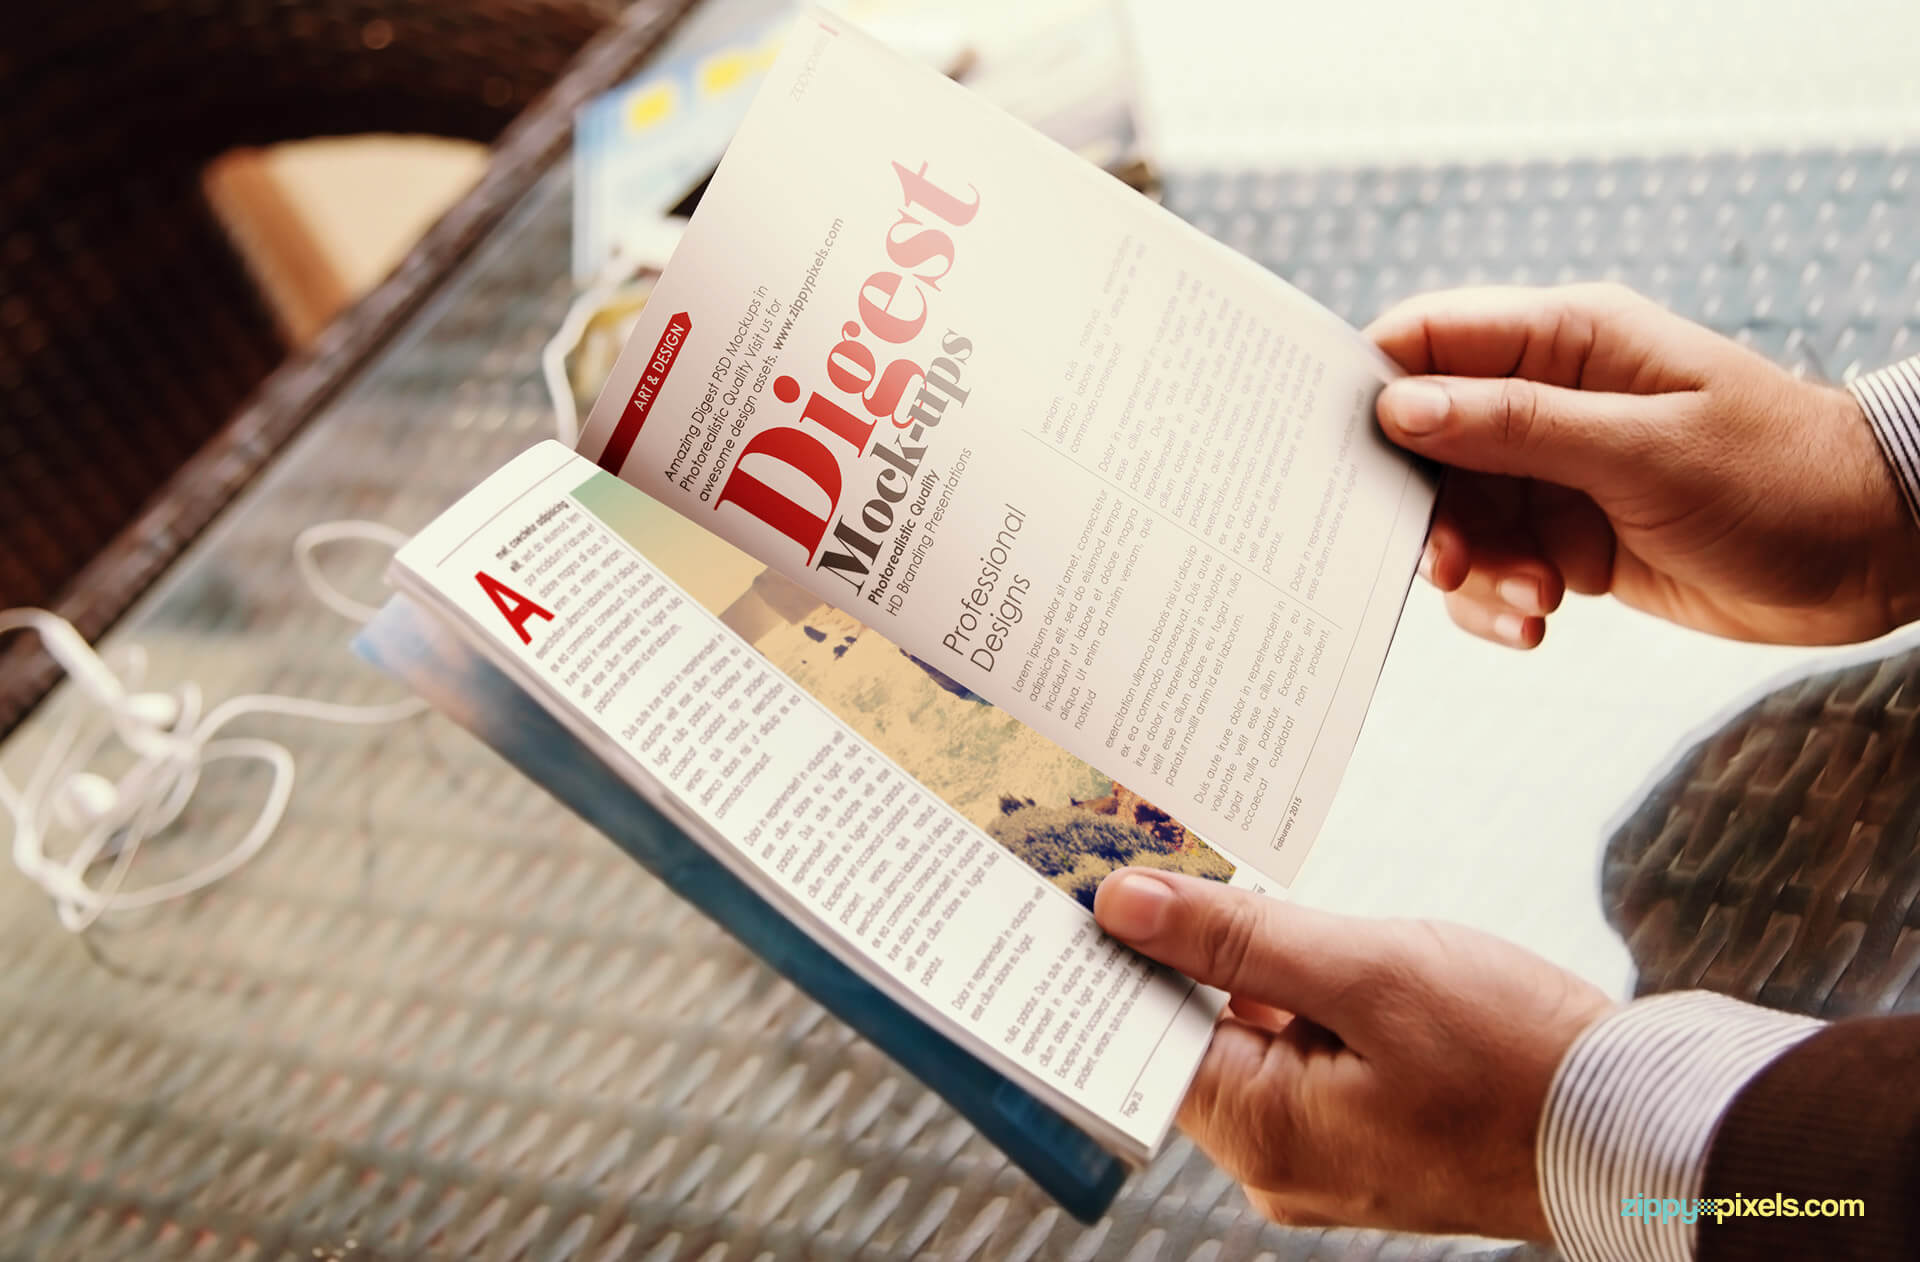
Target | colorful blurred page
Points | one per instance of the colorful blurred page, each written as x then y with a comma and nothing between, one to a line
1064,66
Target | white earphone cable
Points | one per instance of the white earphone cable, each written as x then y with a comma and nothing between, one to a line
172,740
168,733
324,591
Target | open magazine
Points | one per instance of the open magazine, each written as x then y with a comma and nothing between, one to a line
956,527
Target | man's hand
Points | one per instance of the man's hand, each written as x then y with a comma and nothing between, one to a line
1370,1073
1599,443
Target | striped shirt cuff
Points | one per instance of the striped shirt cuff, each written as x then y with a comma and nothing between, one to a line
1632,1111
1891,400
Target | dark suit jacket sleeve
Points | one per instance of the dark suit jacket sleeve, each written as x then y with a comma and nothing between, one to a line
1837,1117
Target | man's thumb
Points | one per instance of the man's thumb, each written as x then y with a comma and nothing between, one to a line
1329,969
1584,439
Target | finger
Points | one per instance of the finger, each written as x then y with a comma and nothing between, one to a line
1594,337
1525,585
1590,441
1495,621
1494,545
1575,536
1329,969
1548,537
1446,560
1261,1015
1243,1107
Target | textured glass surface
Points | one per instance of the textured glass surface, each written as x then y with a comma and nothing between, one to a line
440,1017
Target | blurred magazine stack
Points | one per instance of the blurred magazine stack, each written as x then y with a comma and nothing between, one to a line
643,152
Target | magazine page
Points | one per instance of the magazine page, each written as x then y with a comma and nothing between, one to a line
441,663
1084,462
538,564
